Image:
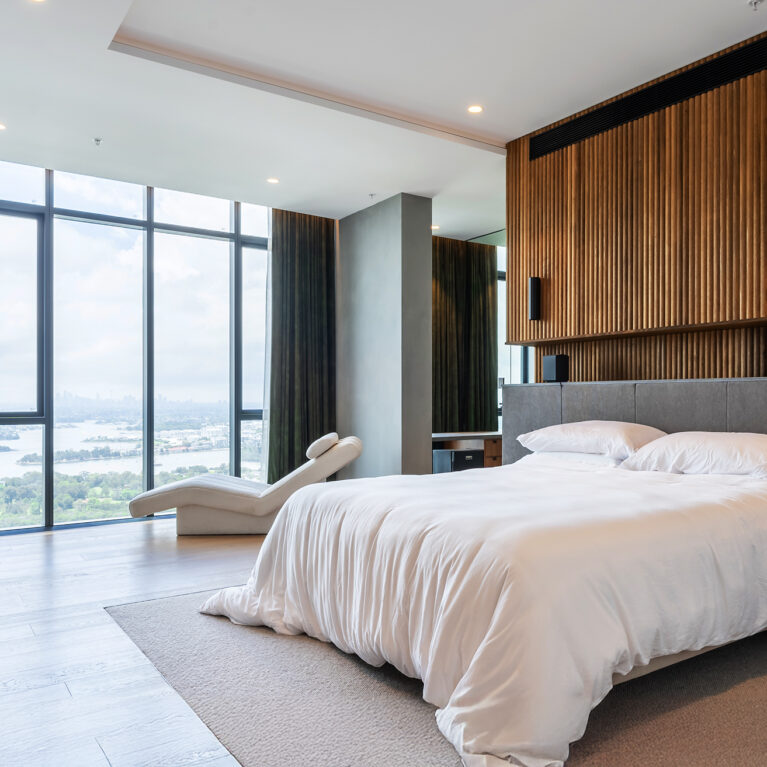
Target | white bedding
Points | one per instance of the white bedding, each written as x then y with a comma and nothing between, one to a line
514,592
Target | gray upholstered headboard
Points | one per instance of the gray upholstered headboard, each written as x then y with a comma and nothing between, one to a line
731,404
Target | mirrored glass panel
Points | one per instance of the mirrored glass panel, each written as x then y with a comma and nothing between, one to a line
501,253
504,351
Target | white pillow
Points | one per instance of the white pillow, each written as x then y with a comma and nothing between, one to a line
587,459
703,452
616,439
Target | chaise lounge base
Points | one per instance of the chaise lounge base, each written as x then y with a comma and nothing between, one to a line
202,520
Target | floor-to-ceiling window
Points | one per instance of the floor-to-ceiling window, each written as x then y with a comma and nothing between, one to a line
132,340
97,369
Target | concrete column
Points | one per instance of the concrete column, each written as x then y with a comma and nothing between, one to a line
383,325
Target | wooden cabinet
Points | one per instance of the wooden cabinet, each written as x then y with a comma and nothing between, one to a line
489,442
493,452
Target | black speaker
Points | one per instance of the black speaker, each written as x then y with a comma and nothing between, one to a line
534,298
556,368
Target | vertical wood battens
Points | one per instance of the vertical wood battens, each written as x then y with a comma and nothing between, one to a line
656,223
729,353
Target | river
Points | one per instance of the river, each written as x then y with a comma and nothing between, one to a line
74,436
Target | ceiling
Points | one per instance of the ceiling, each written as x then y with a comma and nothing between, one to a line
339,100
527,62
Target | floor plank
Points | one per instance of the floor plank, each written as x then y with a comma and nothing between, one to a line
74,690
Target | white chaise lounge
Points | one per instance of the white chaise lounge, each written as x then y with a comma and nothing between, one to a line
217,504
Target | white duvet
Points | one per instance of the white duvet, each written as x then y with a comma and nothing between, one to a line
515,592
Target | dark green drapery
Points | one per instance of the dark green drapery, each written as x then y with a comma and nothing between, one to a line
464,336
302,400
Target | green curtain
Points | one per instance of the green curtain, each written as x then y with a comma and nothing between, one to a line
302,398
464,336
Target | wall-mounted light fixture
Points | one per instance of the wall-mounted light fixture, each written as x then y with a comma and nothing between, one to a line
534,298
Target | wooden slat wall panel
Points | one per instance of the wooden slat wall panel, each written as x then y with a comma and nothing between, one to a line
736,353
655,224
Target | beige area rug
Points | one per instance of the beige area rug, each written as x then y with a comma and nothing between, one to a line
277,701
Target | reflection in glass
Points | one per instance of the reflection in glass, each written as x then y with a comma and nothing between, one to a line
504,351
254,220
510,358
501,254
22,183
253,455
18,314
530,352
192,210
98,195
21,476
97,439
191,356
254,274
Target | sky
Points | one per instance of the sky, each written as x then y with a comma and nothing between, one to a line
98,295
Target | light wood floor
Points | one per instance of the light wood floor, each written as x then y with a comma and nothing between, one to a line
74,690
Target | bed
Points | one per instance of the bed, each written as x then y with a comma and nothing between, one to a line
520,594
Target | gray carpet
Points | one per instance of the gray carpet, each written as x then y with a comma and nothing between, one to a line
277,701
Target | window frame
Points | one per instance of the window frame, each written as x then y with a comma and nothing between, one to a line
46,216
524,363
28,211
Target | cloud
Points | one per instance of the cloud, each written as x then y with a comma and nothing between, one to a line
98,195
22,183
98,295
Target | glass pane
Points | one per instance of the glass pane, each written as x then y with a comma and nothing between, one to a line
504,351
98,370
22,183
253,458
530,351
193,210
255,220
501,253
254,269
516,363
18,314
21,476
98,195
191,357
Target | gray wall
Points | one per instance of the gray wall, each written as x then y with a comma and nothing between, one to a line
383,324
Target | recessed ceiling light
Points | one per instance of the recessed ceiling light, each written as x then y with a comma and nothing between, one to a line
2,127
475,109
435,226
272,181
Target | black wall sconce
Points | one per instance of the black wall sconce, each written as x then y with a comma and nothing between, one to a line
534,298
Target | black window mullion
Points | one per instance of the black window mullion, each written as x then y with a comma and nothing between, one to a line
45,376
148,343
235,344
